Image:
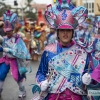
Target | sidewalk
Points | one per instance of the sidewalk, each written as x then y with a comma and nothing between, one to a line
10,90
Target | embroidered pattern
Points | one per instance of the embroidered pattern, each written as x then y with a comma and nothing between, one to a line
66,72
64,15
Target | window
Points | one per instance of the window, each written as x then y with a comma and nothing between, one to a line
92,7
89,6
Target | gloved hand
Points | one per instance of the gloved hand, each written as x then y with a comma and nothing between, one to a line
1,38
6,50
45,43
21,34
86,79
44,85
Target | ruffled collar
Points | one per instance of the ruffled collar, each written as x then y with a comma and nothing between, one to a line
68,45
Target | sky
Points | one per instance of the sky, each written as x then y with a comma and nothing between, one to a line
43,1
21,2
11,2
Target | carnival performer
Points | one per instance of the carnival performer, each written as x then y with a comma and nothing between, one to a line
79,33
32,44
83,34
17,28
14,54
37,33
96,60
51,37
68,60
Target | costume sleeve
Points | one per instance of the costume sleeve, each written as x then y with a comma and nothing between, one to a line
20,50
43,68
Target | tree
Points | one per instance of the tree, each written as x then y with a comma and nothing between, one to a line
3,8
25,8
28,10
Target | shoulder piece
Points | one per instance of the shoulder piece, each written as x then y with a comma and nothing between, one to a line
51,48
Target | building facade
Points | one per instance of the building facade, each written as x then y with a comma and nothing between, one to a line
93,6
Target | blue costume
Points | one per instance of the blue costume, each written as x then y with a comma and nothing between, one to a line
64,68
15,53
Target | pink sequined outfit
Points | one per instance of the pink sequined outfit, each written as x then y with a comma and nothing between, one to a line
13,66
66,95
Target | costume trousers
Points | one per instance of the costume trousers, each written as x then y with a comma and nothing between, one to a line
66,95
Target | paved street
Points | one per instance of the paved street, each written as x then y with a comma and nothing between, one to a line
10,90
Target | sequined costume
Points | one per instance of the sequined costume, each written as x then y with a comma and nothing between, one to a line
10,59
69,79
15,53
68,63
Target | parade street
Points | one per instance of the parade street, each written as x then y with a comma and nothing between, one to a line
49,49
10,90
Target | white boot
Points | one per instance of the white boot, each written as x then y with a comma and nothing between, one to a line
22,92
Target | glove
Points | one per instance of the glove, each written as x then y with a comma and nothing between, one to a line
1,38
45,43
21,34
86,79
44,85
6,50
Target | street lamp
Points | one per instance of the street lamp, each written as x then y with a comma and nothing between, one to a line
15,3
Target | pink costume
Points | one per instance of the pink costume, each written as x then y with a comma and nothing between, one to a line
67,62
66,95
13,64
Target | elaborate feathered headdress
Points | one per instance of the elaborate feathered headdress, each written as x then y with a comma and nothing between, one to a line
10,19
63,15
